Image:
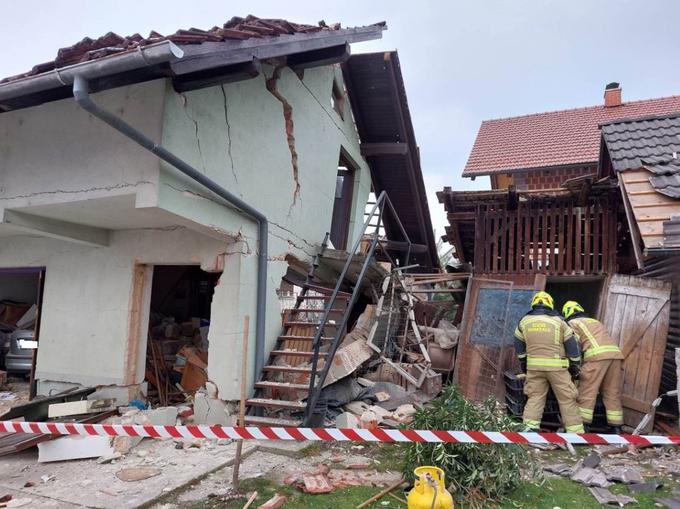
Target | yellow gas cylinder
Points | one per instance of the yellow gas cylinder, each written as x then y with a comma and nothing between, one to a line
429,491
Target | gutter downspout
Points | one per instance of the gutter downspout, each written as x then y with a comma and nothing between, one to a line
82,97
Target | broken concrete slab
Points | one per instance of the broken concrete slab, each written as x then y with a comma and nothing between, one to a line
74,447
346,420
162,416
85,406
212,411
606,497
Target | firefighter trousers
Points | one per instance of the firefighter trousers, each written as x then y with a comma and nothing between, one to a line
536,389
601,376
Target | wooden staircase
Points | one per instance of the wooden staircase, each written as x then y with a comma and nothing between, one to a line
284,383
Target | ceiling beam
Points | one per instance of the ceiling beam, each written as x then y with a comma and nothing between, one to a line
319,57
56,229
380,149
218,76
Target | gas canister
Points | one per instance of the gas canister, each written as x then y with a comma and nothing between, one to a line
429,490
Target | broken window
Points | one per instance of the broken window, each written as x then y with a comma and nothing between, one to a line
338,99
179,319
342,207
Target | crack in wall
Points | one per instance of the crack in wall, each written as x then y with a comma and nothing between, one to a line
185,102
226,120
122,185
290,130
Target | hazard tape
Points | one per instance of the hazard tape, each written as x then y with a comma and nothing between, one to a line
331,434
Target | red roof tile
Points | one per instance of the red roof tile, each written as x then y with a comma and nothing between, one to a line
236,28
555,138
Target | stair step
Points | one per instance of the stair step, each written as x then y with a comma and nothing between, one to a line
321,297
293,323
314,310
266,384
276,403
285,337
272,421
287,369
295,353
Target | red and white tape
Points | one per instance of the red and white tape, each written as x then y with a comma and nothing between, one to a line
331,434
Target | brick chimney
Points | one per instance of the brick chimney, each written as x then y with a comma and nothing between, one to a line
612,95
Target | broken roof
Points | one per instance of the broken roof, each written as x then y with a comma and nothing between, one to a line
192,58
552,139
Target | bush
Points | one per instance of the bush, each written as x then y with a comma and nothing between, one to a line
475,471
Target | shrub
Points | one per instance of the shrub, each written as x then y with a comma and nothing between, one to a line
475,471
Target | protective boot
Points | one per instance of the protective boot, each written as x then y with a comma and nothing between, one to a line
616,430
586,427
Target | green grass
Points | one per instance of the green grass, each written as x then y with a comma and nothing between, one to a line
347,498
567,494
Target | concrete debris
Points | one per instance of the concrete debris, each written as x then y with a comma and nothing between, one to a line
669,503
645,487
347,420
593,460
445,334
316,483
590,477
606,497
137,473
358,463
74,447
85,406
559,469
404,414
625,475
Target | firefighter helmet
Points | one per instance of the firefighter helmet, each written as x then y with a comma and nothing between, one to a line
542,299
570,307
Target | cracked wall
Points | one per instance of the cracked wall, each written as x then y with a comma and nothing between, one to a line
275,141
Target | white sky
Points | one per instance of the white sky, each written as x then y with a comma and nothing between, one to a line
463,62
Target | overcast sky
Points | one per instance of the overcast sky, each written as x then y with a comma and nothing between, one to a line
463,62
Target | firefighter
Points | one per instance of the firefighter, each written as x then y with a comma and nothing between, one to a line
550,356
602,365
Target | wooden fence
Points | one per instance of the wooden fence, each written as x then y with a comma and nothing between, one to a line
547,238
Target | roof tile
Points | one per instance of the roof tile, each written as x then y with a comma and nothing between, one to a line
557,138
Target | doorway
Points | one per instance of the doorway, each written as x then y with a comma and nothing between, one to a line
584,290
342,206
21,291
179,321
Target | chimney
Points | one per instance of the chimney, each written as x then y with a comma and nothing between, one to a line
612,95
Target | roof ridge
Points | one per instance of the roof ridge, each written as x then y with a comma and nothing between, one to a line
582,108
645,118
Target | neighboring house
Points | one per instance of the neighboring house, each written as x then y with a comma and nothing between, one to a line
263,108
543,150
583,204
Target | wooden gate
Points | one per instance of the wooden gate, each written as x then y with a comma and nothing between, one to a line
636,311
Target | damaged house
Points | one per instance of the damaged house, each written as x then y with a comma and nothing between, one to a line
155,190
584,205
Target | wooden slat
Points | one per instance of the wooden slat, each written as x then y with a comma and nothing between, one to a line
561,255
520,246
493,231
606,224
586,239
535,241
502,242
511,241
479,236
597,218
487,240
544,242
577,240
569,231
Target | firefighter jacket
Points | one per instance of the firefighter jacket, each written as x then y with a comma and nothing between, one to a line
596,343
545,341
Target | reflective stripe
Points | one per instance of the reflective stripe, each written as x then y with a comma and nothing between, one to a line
557,334
589,335
585,412
547,362
614,413
601,349
532,423
574,428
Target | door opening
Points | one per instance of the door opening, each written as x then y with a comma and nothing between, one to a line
179,319
584,290
342,207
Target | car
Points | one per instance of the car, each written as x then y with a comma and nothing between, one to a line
19,358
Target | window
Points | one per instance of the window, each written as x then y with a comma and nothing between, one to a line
342,208
338,99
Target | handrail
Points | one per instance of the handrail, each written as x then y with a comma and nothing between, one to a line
379,210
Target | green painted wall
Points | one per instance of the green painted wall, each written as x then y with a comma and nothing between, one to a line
236,134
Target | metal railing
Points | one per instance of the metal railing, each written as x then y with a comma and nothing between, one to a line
382,204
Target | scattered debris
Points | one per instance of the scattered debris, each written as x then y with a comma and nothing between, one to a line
85,406
645,487
74,447
137,473
606,497
625,475
590,477
276,502
669,503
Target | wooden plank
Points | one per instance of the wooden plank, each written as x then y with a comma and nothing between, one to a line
487,240
577,240
569,232
544,242
511,241
605,237
479,236
503,242
561,225
556,247
520,247
587,253
493,230
632,225
535,241
597,218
